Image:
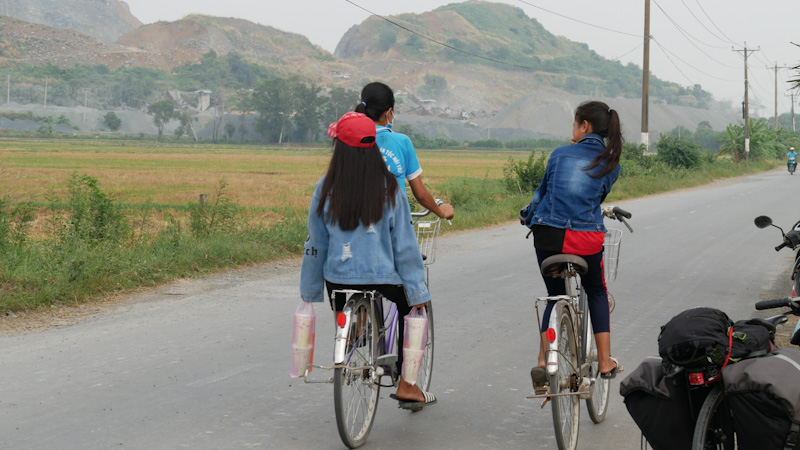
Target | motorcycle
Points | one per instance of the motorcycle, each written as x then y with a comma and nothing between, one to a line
792,165
791,240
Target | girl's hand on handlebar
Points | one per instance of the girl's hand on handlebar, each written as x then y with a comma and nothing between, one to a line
447,211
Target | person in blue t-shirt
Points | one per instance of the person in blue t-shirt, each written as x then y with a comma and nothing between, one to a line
792,158
377,102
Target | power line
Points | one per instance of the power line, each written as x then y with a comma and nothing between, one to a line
690,40
693,67
580,21
673,63
628,53
685,33
700,22
715,25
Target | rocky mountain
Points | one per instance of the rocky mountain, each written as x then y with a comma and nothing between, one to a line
461,71
104,20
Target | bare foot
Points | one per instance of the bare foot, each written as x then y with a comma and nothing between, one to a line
409,392
607,366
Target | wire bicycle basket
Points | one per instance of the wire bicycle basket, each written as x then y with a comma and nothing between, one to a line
427,231
611,245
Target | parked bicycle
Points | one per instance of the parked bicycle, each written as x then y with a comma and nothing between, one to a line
571,357
716,427
366,347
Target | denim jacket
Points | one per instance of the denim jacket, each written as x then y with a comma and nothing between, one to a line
568,197
386,252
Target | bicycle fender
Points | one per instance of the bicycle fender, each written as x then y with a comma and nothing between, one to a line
340,342
552,352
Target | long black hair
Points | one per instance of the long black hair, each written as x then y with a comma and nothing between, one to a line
357,186
376,98
605,122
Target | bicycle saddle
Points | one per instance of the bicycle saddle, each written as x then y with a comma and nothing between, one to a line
554,265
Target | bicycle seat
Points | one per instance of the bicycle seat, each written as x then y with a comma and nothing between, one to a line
556,264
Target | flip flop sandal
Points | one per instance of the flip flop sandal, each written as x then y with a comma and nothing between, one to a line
412,405
610,375
539,378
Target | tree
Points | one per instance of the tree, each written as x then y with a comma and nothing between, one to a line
112,121
732,142
230,129
163,111
677,152
434,85
341,101
274,102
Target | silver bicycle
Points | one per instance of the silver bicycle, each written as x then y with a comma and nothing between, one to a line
571,351
367,344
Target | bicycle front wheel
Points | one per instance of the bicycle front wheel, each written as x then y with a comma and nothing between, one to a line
566,411
426,370
714,428
355,393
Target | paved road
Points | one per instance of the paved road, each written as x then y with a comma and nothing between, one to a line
204,364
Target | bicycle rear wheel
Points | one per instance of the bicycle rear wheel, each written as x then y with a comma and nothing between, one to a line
714,428
566,411
597,404
426,370
355,393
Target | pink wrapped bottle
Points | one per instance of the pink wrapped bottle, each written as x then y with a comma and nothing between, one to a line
414,340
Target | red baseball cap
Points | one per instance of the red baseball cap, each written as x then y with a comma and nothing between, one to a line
354,129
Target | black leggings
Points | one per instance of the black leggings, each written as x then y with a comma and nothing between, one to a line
593,282
393,292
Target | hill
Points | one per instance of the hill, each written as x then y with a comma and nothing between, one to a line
104,20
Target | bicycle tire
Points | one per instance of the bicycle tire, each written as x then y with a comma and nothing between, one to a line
426,370
597,404
714,428
566,409
355,392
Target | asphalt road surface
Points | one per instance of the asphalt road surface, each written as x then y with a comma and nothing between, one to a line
204,364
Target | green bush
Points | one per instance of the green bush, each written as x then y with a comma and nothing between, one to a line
524,176
678,152
221,216
112,121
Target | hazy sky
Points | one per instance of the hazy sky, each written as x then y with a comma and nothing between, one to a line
693,38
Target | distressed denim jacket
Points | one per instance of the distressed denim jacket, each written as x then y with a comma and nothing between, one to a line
386,252
568,197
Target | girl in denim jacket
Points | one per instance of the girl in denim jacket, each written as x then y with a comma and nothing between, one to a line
360,234
565,217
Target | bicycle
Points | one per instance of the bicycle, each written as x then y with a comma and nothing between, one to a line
715,424
571,360
366,347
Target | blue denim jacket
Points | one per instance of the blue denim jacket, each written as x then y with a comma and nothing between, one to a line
386,252
568,197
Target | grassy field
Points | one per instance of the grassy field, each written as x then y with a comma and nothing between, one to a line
260,178
117,216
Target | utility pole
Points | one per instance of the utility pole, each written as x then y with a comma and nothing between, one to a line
85,101
45,92
746,104
646,77
791,94
8,83
776,91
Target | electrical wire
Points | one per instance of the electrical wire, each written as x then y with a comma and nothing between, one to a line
580,21
700,22
673,63
715,25
442,43
693,67
685,33
628,53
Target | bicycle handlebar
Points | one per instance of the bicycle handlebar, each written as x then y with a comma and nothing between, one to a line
777,303
621,212
615,212
425,212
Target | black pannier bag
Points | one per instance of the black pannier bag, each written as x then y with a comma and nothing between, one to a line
750,339
661,404
696,337
764,397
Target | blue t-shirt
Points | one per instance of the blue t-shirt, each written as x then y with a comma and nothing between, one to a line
398,153
792,155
